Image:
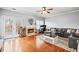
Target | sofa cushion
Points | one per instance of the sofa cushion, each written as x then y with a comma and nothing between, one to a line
69,31
73,30
77,31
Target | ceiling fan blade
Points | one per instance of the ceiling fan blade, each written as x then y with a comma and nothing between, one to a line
48,12
50,9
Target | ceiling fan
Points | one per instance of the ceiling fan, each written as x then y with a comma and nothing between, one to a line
45,10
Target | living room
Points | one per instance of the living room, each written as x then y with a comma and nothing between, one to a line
39,29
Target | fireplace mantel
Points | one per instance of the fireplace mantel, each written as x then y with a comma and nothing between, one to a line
30,30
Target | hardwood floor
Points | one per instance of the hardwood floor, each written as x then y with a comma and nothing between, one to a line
29,44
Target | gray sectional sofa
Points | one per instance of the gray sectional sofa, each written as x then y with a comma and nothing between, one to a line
70,41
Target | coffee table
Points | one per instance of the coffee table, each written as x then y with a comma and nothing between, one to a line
56,41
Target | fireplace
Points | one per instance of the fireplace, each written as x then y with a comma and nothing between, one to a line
30,30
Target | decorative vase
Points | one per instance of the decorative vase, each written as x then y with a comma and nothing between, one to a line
30,21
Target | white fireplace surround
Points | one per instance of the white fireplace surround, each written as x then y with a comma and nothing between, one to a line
30,27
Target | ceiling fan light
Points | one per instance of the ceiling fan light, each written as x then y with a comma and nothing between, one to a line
44,12
43,8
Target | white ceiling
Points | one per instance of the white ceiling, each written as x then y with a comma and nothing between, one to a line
32,10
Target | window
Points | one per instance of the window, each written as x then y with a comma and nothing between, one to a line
8,26
38,23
